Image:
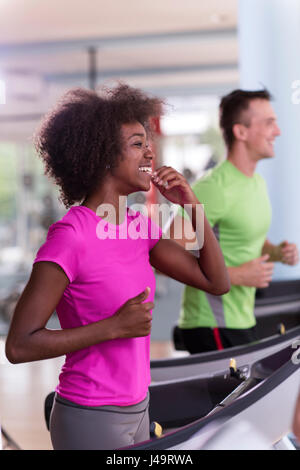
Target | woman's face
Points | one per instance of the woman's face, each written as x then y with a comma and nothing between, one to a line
131,174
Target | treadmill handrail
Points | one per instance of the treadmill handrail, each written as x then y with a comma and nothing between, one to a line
235,351
240,404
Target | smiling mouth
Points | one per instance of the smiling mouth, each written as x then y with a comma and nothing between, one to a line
146,169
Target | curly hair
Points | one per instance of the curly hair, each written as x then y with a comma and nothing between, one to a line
80,139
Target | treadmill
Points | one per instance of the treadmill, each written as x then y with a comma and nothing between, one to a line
209,363
278,324
264,399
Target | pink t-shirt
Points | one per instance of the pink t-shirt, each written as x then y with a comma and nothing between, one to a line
106,265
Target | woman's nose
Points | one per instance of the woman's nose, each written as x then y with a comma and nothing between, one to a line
148,152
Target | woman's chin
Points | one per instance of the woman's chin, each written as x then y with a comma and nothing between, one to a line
145,186
143,190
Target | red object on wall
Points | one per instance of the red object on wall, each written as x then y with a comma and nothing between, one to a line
151,196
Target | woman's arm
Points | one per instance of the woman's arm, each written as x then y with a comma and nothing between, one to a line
208,272
255,273
29,339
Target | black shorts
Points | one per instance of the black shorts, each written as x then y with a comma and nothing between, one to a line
197,340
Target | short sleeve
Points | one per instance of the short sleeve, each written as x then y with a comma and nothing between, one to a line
212,197
61,247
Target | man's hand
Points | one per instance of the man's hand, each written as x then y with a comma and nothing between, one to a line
285,252
289,253
254,273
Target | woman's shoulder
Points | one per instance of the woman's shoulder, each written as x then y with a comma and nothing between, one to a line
69,225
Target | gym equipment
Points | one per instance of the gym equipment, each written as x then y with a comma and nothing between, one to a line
209,363
264,399
277,310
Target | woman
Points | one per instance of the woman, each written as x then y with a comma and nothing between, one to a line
97,273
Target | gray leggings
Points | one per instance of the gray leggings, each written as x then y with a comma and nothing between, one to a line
75,427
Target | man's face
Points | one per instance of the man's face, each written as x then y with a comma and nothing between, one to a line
262,129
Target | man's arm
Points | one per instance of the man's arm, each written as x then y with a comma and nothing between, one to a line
285,252
255,273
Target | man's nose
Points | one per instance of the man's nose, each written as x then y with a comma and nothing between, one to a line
277,131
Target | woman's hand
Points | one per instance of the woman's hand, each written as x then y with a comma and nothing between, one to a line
208,272
173,186
30,340
134,318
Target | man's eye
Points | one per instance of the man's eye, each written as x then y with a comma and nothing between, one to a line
138,144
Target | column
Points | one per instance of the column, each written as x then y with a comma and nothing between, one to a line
269,38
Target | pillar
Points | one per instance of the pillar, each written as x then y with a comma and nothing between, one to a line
269,38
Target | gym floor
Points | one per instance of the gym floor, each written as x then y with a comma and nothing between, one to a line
23,388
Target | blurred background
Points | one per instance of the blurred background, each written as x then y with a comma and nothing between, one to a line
190,53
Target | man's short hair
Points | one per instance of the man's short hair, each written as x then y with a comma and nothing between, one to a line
232,107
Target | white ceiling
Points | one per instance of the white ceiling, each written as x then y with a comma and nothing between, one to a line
52,20
168,47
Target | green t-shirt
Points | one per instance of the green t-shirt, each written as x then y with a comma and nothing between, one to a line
238,209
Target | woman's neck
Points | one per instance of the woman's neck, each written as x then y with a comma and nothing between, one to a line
108,204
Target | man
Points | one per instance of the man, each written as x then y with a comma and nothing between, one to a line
237,206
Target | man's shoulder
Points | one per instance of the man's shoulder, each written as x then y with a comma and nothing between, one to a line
217,177
260,178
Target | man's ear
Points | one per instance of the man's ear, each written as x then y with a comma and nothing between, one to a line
239,132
